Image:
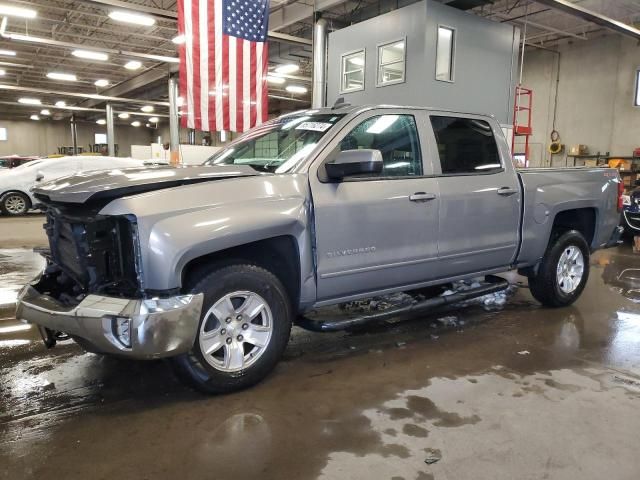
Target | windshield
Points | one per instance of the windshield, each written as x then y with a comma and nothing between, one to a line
28,165
279,145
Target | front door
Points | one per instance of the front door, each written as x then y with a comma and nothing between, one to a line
479,196
377,232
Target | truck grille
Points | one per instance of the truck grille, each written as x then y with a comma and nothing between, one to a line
97,253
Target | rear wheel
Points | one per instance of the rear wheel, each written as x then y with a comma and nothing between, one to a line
563,272
244,328
15,203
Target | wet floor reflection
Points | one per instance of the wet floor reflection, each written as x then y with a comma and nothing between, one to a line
518,392
17,267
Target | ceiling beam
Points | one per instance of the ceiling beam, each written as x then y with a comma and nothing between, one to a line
297,12
139,81
593,17
546,28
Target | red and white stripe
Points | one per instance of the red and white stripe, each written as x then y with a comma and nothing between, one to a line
223,79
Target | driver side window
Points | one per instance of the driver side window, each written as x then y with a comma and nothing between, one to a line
396,136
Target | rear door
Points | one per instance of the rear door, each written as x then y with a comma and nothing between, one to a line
379,231
480,197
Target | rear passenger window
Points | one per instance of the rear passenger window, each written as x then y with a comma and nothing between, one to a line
465,145
396,136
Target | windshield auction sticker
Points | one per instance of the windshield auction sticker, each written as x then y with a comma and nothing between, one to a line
315,126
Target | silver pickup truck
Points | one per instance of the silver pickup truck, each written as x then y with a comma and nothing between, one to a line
211,265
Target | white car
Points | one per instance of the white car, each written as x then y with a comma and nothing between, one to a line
16,183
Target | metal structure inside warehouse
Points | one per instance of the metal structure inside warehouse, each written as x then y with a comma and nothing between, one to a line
319,239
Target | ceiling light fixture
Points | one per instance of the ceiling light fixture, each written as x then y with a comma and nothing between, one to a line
8,53
179,39
154,120
130,17
287,68
296,89
29,101
147,108
101,83
275,80
45,112
123,115
61,103
90,55
135,124
133,65
11,11
102,121
65,77
2,73
34,117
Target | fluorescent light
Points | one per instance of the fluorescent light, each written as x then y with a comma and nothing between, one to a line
154,120
12,11
382,123
66,77
287,68
357,61
61,103
34,117
123,115
102,121
90,55
296,89
276,80
399,46
130,17
135,124
147,108
2,73
132,65
45,112
179,39
8,53
101,83
30,101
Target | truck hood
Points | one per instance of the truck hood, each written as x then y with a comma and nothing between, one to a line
106,185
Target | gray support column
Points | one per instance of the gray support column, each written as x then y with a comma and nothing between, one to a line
111,141
319,63
74,134
174,121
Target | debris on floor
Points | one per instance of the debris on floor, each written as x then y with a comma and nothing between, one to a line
491,300
433,456
524,352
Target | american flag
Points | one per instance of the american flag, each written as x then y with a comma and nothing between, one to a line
223,63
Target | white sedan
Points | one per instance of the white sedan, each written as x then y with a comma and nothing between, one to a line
16,183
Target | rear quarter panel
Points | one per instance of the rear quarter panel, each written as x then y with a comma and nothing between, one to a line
547,192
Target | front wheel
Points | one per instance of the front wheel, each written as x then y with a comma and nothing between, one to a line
244,328
563,272
15,203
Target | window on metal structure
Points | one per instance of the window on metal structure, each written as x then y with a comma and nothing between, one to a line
636,100
391,63
352,72
465,146
445,52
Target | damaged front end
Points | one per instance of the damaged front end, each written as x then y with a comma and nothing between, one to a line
90,254
92,289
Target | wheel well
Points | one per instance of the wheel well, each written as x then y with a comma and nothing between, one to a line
581,219
279,255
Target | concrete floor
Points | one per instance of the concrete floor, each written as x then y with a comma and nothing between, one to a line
522,392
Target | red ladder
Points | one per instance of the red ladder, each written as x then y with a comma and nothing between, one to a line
523,102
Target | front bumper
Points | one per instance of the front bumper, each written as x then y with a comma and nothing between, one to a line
156,327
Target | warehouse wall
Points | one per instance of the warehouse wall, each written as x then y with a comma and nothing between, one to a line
44,137
595,97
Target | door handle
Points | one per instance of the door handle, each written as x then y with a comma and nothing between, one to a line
506,191
422,197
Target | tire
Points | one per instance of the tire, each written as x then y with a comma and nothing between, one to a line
15,204
554,288
235,347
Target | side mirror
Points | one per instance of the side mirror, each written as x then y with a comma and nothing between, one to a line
39,176
353,163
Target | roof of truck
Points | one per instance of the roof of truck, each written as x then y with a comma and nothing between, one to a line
347,108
